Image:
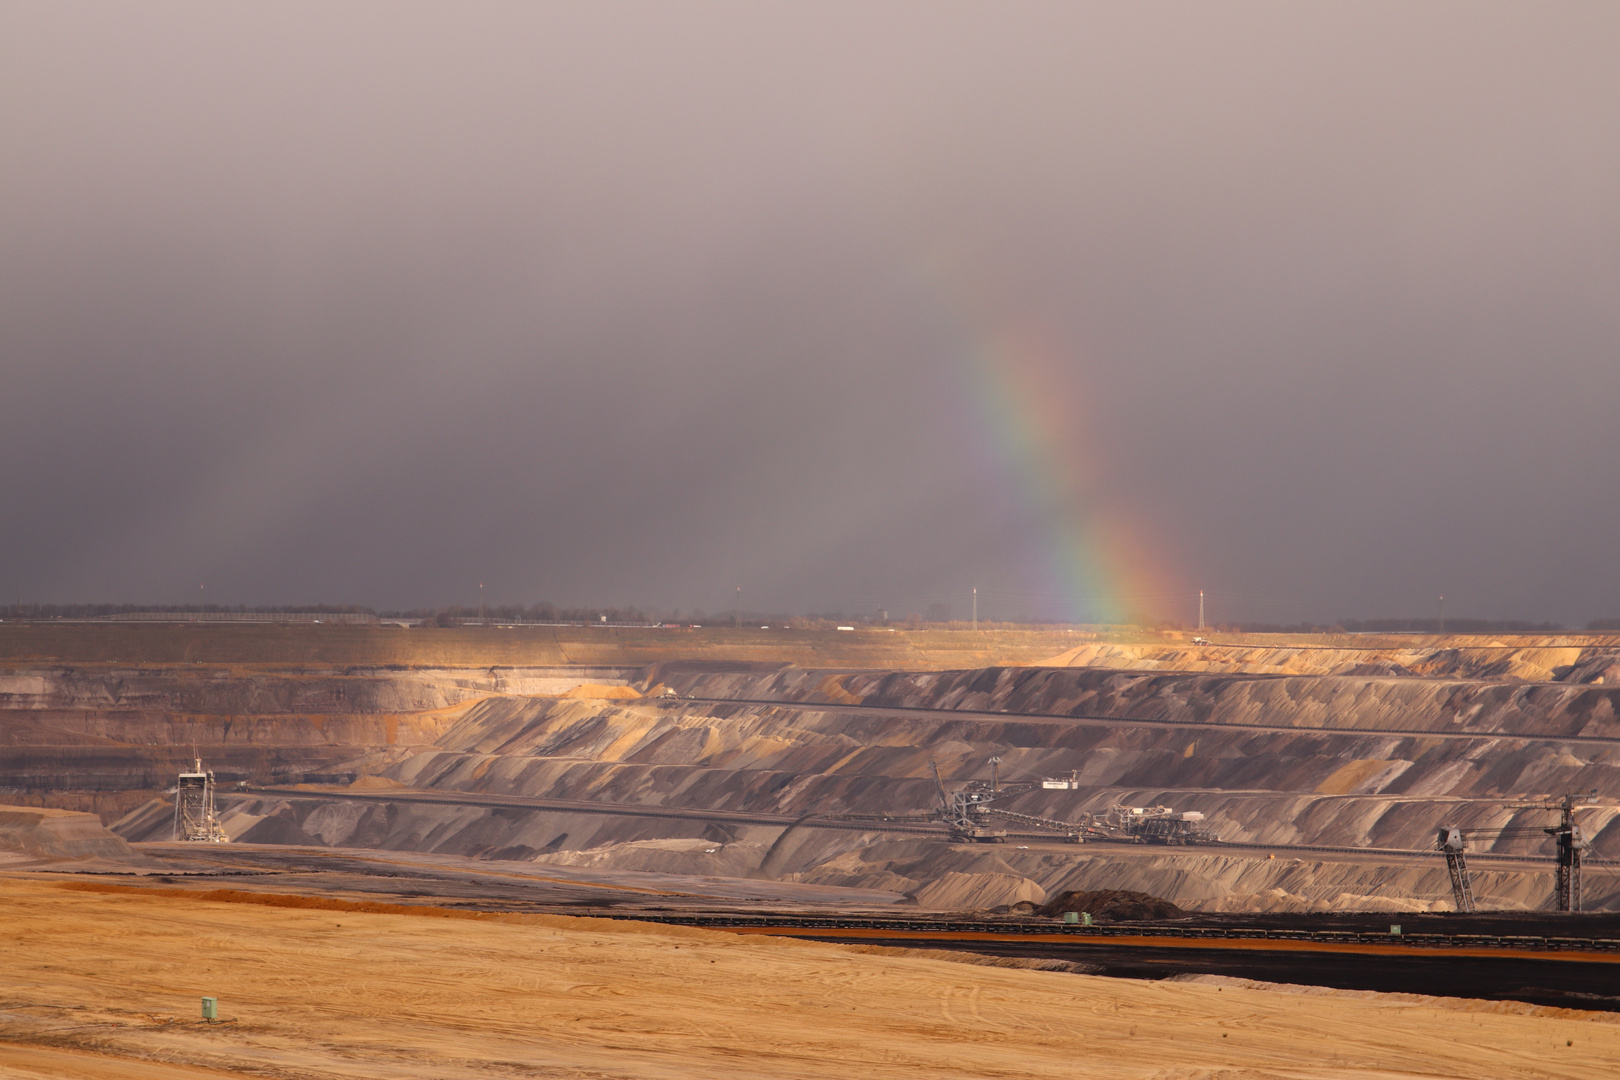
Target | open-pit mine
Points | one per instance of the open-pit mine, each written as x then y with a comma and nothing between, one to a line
491,851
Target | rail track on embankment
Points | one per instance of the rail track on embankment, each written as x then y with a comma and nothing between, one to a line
1570,971
861,824
1595,949
1098,720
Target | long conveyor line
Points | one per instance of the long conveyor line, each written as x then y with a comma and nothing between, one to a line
862,824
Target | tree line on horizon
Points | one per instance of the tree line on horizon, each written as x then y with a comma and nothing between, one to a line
937,616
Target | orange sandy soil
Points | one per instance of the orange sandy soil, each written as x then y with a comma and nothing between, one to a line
100,982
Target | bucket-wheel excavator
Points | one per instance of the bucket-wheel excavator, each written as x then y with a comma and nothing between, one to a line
968,811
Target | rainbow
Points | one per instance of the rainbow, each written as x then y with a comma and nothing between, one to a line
1026,395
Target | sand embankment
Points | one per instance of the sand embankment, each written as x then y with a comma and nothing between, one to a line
41,838
339,991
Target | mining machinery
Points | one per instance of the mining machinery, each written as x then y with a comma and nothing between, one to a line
967,812
1571,841
1451,842
1160,825
194,818
1568,835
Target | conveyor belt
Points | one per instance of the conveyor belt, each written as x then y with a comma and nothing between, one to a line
864,823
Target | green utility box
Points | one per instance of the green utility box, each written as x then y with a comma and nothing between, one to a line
210,1008
1394,929
1081,917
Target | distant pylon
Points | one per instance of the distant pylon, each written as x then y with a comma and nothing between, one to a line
1200,610
975,607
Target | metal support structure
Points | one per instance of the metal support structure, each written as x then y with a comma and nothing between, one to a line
1569,837
194,818
1570,844
1073,831
944,799
1571,840
1462,887
967,819
964,812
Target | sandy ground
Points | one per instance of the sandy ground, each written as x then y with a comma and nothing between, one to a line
106,984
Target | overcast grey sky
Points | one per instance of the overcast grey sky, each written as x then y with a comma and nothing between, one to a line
634,303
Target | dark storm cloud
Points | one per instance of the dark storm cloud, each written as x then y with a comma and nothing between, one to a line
627,303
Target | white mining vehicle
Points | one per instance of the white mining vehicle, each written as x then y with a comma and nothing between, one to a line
1160,825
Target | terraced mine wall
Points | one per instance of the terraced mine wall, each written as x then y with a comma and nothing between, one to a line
106,738
1577,658
1443,707
101,716
1339,761
1337,755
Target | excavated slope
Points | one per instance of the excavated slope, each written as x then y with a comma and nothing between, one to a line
1355,759
1569,658
1340,761
107,739
33,838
